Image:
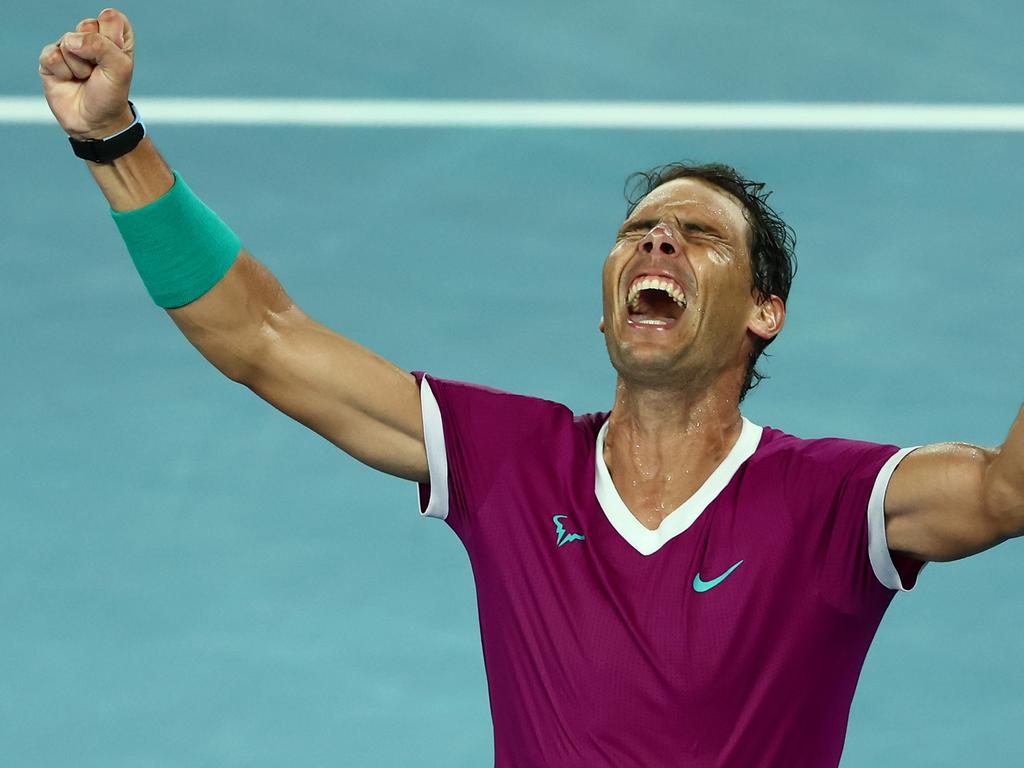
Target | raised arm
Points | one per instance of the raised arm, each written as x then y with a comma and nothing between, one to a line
251,330
245,324
952,500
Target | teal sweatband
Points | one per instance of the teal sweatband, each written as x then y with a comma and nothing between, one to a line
180,247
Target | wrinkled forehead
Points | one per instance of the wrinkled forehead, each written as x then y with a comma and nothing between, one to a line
697,197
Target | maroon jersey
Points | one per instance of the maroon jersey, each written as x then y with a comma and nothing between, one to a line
733,635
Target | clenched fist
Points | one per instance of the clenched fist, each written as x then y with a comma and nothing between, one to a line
86,75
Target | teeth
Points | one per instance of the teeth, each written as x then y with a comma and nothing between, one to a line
658,283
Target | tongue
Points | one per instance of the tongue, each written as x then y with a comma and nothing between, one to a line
654,304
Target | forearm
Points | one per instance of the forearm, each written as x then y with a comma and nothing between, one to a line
233,322
224,323
135,179
1004,477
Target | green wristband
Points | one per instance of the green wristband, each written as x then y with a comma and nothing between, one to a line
180,247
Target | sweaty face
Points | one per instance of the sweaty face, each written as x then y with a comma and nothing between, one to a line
677,285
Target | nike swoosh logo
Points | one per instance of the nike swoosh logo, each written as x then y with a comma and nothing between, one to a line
699,585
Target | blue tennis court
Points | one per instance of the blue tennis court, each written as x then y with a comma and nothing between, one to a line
190,578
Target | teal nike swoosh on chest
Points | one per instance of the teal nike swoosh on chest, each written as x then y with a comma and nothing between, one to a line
699,585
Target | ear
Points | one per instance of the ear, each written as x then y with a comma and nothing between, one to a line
600,326
768,318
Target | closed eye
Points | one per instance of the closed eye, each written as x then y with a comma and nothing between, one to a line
693,228
698,227
634,228
637,228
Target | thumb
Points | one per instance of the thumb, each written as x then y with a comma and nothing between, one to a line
103,53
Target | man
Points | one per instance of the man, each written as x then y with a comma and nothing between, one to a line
665,585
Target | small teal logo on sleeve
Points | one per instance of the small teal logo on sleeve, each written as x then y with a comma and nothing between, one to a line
699,585
560,532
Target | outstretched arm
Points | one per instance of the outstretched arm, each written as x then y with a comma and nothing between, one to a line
951,500
245,324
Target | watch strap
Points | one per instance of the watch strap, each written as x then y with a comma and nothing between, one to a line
112,147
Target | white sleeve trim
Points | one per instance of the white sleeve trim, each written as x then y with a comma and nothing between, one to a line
437,459
878,546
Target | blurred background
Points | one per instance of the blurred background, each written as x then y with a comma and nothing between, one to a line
189,578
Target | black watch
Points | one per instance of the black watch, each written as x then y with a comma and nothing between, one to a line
109,149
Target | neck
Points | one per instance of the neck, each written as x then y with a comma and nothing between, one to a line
661,445
689,420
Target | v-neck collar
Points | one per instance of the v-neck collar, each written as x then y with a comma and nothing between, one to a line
646,541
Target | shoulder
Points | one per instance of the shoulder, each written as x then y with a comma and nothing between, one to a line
820,456
468,402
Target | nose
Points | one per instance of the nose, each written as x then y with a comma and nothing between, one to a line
661,240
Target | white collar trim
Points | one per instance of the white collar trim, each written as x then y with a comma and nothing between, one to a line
646,541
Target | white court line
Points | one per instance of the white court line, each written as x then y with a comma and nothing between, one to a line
615,115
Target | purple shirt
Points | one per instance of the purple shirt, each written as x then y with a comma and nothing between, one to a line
731,636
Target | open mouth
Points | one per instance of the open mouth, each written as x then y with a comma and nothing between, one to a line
654,302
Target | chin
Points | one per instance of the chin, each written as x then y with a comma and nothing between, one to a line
644,363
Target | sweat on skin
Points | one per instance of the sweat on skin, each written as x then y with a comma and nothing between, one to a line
676,412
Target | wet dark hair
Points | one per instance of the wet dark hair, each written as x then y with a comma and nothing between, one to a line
772,241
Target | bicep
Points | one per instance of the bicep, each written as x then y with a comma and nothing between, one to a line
249,328
934,504
354,398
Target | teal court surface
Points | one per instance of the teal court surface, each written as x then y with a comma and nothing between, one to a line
189,578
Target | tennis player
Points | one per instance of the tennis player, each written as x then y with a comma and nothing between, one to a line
667,584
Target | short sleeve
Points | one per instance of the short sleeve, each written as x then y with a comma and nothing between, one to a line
470,433
895,570
841,487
